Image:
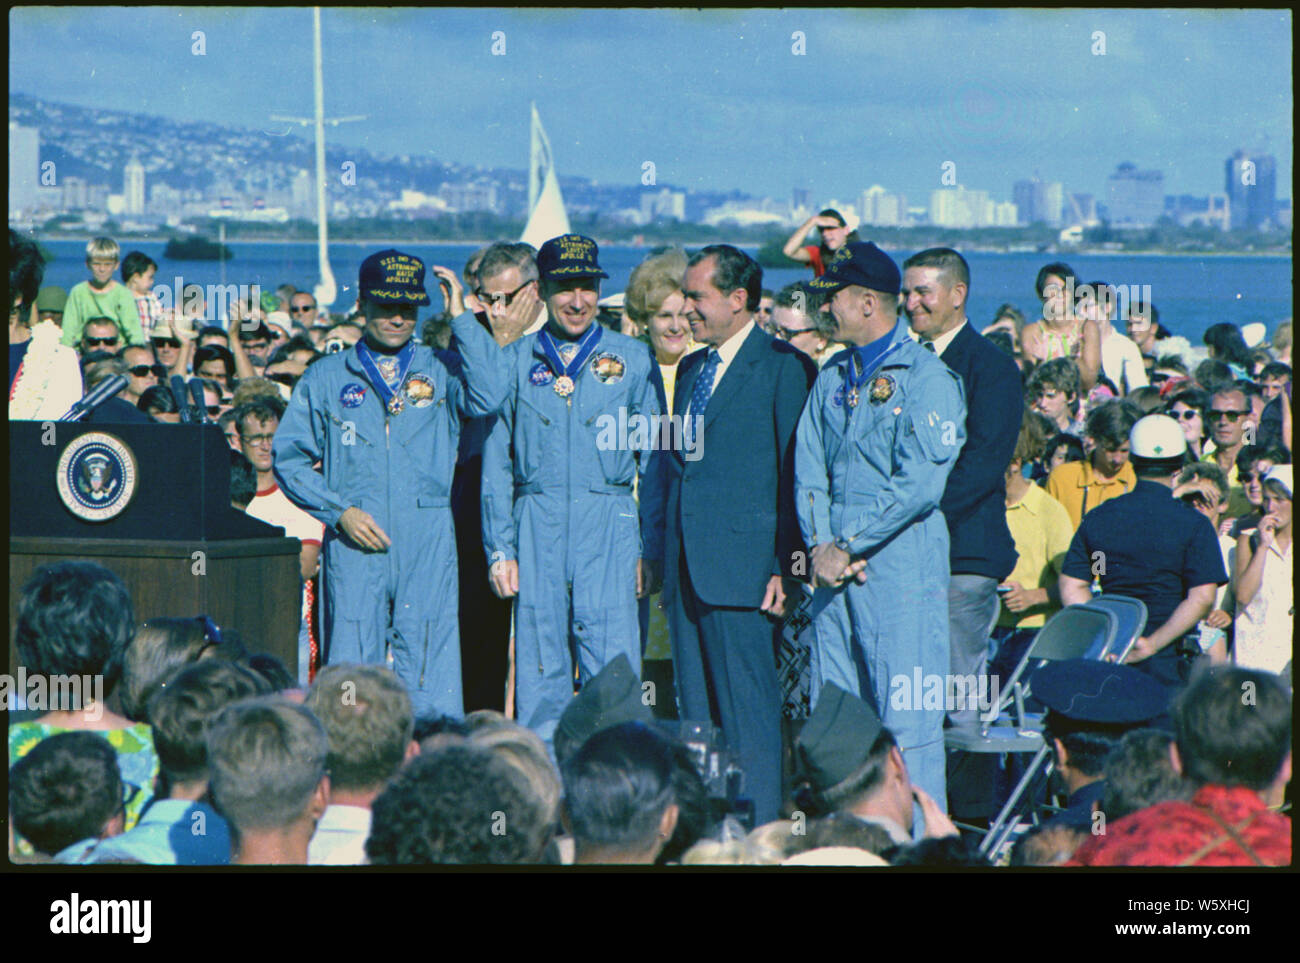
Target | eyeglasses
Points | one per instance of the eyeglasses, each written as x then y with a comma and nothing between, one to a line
785,334
1185,415
1214,414
92,342
143,370
166,342
258,440
505,300
302,308
213,410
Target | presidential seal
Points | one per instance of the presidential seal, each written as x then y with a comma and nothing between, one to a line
96,476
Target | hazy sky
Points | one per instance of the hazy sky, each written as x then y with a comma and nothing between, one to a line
716,99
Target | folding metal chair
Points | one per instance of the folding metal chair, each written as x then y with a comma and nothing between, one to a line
1104,628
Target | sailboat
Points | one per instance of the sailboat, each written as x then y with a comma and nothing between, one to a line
546,215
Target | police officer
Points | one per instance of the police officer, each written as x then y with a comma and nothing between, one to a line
1153,547
560,525
383,419
1090,705
881,431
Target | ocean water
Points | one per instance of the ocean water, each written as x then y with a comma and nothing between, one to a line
1191,293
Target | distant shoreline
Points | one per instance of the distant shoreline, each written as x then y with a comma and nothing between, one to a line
480,242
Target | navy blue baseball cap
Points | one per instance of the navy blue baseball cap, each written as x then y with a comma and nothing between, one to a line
860,263
1099,693
391,277
568,256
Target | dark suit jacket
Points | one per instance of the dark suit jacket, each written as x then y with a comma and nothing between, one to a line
974,501
732,509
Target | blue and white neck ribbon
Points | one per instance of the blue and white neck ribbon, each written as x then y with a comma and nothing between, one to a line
854,381
566,374
387,388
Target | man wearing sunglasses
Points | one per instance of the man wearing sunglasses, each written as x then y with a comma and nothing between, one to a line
142,372
1229,419
383,419
100,334
302,309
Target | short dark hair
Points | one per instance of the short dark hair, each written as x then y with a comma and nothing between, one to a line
210,329
1275,369
1061,374
938,851
1233,727
275,672
1110,423
1139,773
618,786
443,807
180,712
368,720
1146,399
243,479
426,727
694,814
1213,375
946,260
74,618
260,409
1250,454
1031,443
157,398
1002,341
1088,744
863,781
215,352
732,268
1074,442
1060,269
64,790
137,262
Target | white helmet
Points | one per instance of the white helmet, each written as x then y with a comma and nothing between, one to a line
1156,438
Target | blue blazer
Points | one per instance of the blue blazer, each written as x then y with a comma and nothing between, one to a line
731,509
974,501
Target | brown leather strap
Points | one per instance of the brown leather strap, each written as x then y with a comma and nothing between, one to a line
1228,833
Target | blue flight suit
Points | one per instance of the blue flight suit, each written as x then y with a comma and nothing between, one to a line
398,468
873,474
557,497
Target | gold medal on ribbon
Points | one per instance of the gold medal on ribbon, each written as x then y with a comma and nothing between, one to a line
852,398
564,386
396,403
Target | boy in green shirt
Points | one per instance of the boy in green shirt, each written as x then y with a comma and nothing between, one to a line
101,296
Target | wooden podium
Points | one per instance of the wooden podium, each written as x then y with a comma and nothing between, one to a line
175,541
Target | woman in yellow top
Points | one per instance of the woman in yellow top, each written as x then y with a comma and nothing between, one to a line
654,304
1081,486
1063,332
1042,532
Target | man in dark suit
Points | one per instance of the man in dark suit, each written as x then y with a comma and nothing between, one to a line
936,283
732,537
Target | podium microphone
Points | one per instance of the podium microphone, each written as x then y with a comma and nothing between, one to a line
98,395
189,400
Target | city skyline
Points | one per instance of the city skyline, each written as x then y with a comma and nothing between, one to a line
1139,103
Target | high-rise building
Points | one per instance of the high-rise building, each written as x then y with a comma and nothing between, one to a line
1038,201
24,168
1005,214
133,186
1135,198
879,208
75,194
1251,186
664,203
958,207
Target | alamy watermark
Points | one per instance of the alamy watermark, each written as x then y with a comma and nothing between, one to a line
638,432
52,693
949,693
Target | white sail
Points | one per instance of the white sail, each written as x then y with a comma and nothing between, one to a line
546,215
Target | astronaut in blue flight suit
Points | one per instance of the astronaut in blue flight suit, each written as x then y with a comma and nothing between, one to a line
563,534
383,418
880,433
